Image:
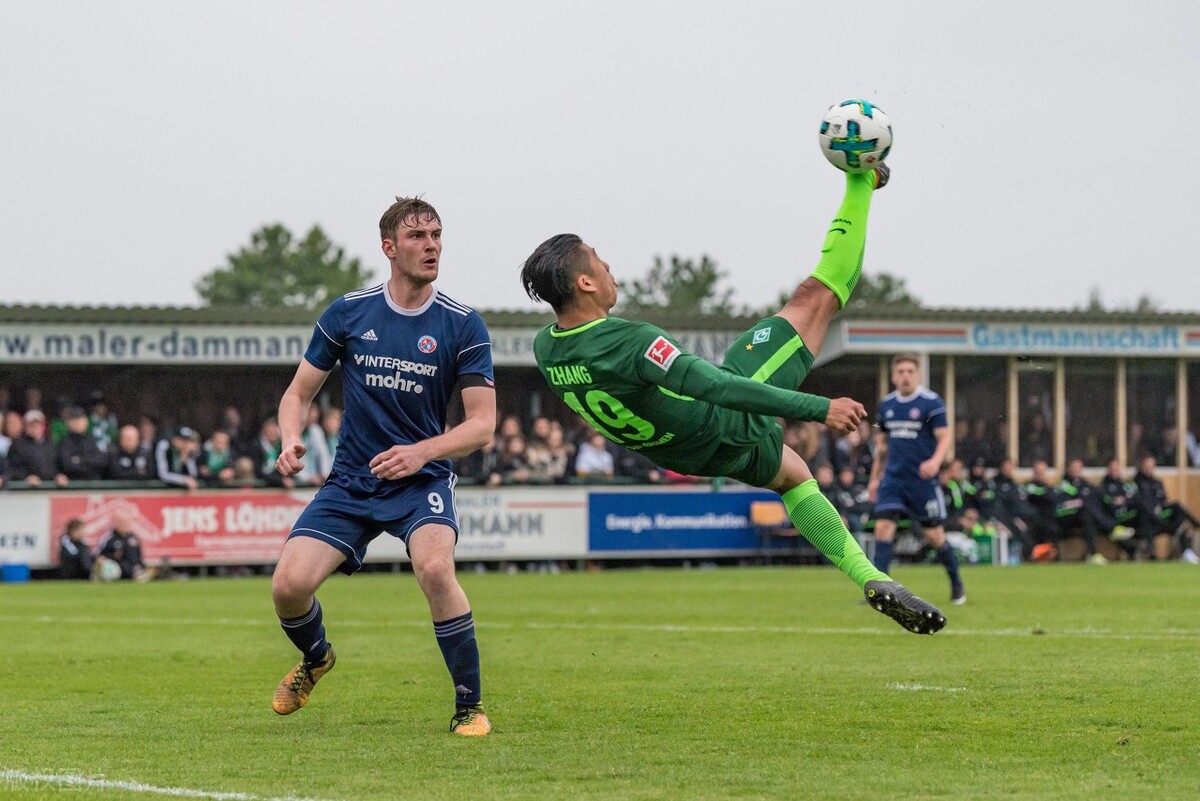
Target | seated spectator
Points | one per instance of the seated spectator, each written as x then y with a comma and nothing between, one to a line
122,546
513,465
482,466
957,493
175,458
510,427
593,459
74,558
231,424
79,457
1012,507
852,499
244,474
1119,504
216,462
58,424
148,431
637,466
539,431
1080,510
1042,498
270,444
318,461
1157,514
548,458
33,458
128,460
331,423
102,423
11,430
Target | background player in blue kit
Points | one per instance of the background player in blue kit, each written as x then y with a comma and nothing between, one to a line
404,346
912,444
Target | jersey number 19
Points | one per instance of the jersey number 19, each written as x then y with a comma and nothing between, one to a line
619,424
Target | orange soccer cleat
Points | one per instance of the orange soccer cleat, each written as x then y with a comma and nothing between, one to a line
292,693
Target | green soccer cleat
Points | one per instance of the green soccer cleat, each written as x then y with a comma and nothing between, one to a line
892,599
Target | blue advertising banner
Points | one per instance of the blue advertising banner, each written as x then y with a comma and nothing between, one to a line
672,521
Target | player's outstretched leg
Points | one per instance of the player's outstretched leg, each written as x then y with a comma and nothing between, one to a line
814,517
842,254
895,601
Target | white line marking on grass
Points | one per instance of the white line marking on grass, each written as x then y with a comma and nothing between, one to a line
79,780
919,688
1087,633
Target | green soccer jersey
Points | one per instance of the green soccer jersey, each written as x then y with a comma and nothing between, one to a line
633,383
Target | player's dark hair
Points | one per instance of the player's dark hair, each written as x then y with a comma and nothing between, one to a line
403,209
549,273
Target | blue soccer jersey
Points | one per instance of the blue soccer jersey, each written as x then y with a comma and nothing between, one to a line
400,367
909,423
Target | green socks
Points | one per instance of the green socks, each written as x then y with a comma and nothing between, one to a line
816,519
842,253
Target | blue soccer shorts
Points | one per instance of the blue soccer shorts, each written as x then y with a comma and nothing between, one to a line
920,500
350,511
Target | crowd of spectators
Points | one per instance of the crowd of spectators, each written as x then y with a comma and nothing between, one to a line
84,442
1037,515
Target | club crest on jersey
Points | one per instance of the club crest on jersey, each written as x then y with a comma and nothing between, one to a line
662,353
761,335
914,413
427,344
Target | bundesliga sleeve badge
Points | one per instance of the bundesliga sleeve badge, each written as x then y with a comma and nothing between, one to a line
662,353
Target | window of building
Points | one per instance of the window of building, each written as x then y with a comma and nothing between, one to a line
1091,386
1150,399
981,399
1035,407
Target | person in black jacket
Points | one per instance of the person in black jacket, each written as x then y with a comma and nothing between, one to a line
74,558
79,457
128,460
1042,498
122,546
1012,507
1159,515
1081,510
32,457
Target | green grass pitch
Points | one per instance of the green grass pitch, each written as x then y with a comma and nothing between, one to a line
1054,681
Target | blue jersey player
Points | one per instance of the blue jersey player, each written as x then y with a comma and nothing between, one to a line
911,445
404,347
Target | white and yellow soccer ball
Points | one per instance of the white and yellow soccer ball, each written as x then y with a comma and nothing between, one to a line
855,135
106,570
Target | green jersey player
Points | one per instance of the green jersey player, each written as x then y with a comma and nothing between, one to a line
635,385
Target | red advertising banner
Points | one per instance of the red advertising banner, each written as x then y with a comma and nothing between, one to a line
205,528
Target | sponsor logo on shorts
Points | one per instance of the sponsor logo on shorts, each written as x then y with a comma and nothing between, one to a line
662,353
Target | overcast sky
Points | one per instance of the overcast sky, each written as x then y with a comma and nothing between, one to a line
1041,149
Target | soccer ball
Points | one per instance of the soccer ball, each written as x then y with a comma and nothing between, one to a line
106,570
855,135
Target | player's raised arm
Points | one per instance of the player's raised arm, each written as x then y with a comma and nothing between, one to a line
293,410
692,376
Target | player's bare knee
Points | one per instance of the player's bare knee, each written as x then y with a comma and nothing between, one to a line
288,587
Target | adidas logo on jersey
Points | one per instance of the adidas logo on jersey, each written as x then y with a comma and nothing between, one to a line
370,336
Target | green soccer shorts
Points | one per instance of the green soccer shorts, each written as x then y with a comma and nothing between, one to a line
751,449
